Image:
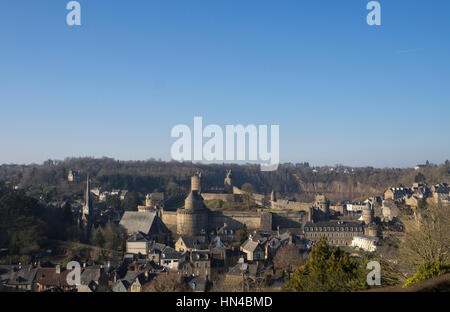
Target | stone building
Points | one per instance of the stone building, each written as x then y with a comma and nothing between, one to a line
337,233
73,176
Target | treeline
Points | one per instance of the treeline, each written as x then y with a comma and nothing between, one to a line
49,180
26,225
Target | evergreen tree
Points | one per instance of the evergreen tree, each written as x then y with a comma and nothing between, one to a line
328,269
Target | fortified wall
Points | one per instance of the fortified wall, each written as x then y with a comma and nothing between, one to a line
194,218
252,219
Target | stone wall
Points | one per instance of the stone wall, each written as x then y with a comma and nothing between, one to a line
289,219
222,197
235,219
170,218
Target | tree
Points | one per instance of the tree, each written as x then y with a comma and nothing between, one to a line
328,269
165,282
242,234
131,202
98,239
248,190
115,236
67,215
21,226
420,178
113,202
288,258
427,271
427,236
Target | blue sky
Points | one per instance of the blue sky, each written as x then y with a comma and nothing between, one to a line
341,91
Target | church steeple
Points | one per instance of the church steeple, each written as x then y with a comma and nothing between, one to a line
87,207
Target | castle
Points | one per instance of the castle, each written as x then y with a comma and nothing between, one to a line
194,218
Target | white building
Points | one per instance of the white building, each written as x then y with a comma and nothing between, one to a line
365,243
355,207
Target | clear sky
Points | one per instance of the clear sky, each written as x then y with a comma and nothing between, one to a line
341,91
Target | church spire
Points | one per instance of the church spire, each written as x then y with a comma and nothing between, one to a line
87,208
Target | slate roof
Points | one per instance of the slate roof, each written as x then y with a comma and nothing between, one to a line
193,242
144,222
250,245
24,276
135,222
89,275
120,286
49,277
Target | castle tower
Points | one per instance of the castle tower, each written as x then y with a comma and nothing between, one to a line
229,182
273,199
322,203
367,214
196,182
193,218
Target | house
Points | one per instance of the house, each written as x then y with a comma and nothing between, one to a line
420,166
146,223
412,201
397,193
441,193
134,279
52,278
120,286
198,263
137,244
165,256
226,233
92,278
355,207
190,243
389,210
19,278
254,249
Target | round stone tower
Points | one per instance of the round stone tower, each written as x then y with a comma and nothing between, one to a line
193,218
273,199
367,214
196,182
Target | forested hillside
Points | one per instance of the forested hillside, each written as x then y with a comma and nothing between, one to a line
49,180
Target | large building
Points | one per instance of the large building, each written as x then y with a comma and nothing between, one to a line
338,233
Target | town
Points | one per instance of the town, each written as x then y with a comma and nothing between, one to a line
204,237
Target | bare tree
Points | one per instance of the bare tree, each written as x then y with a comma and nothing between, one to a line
427,236
165,282
288,258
